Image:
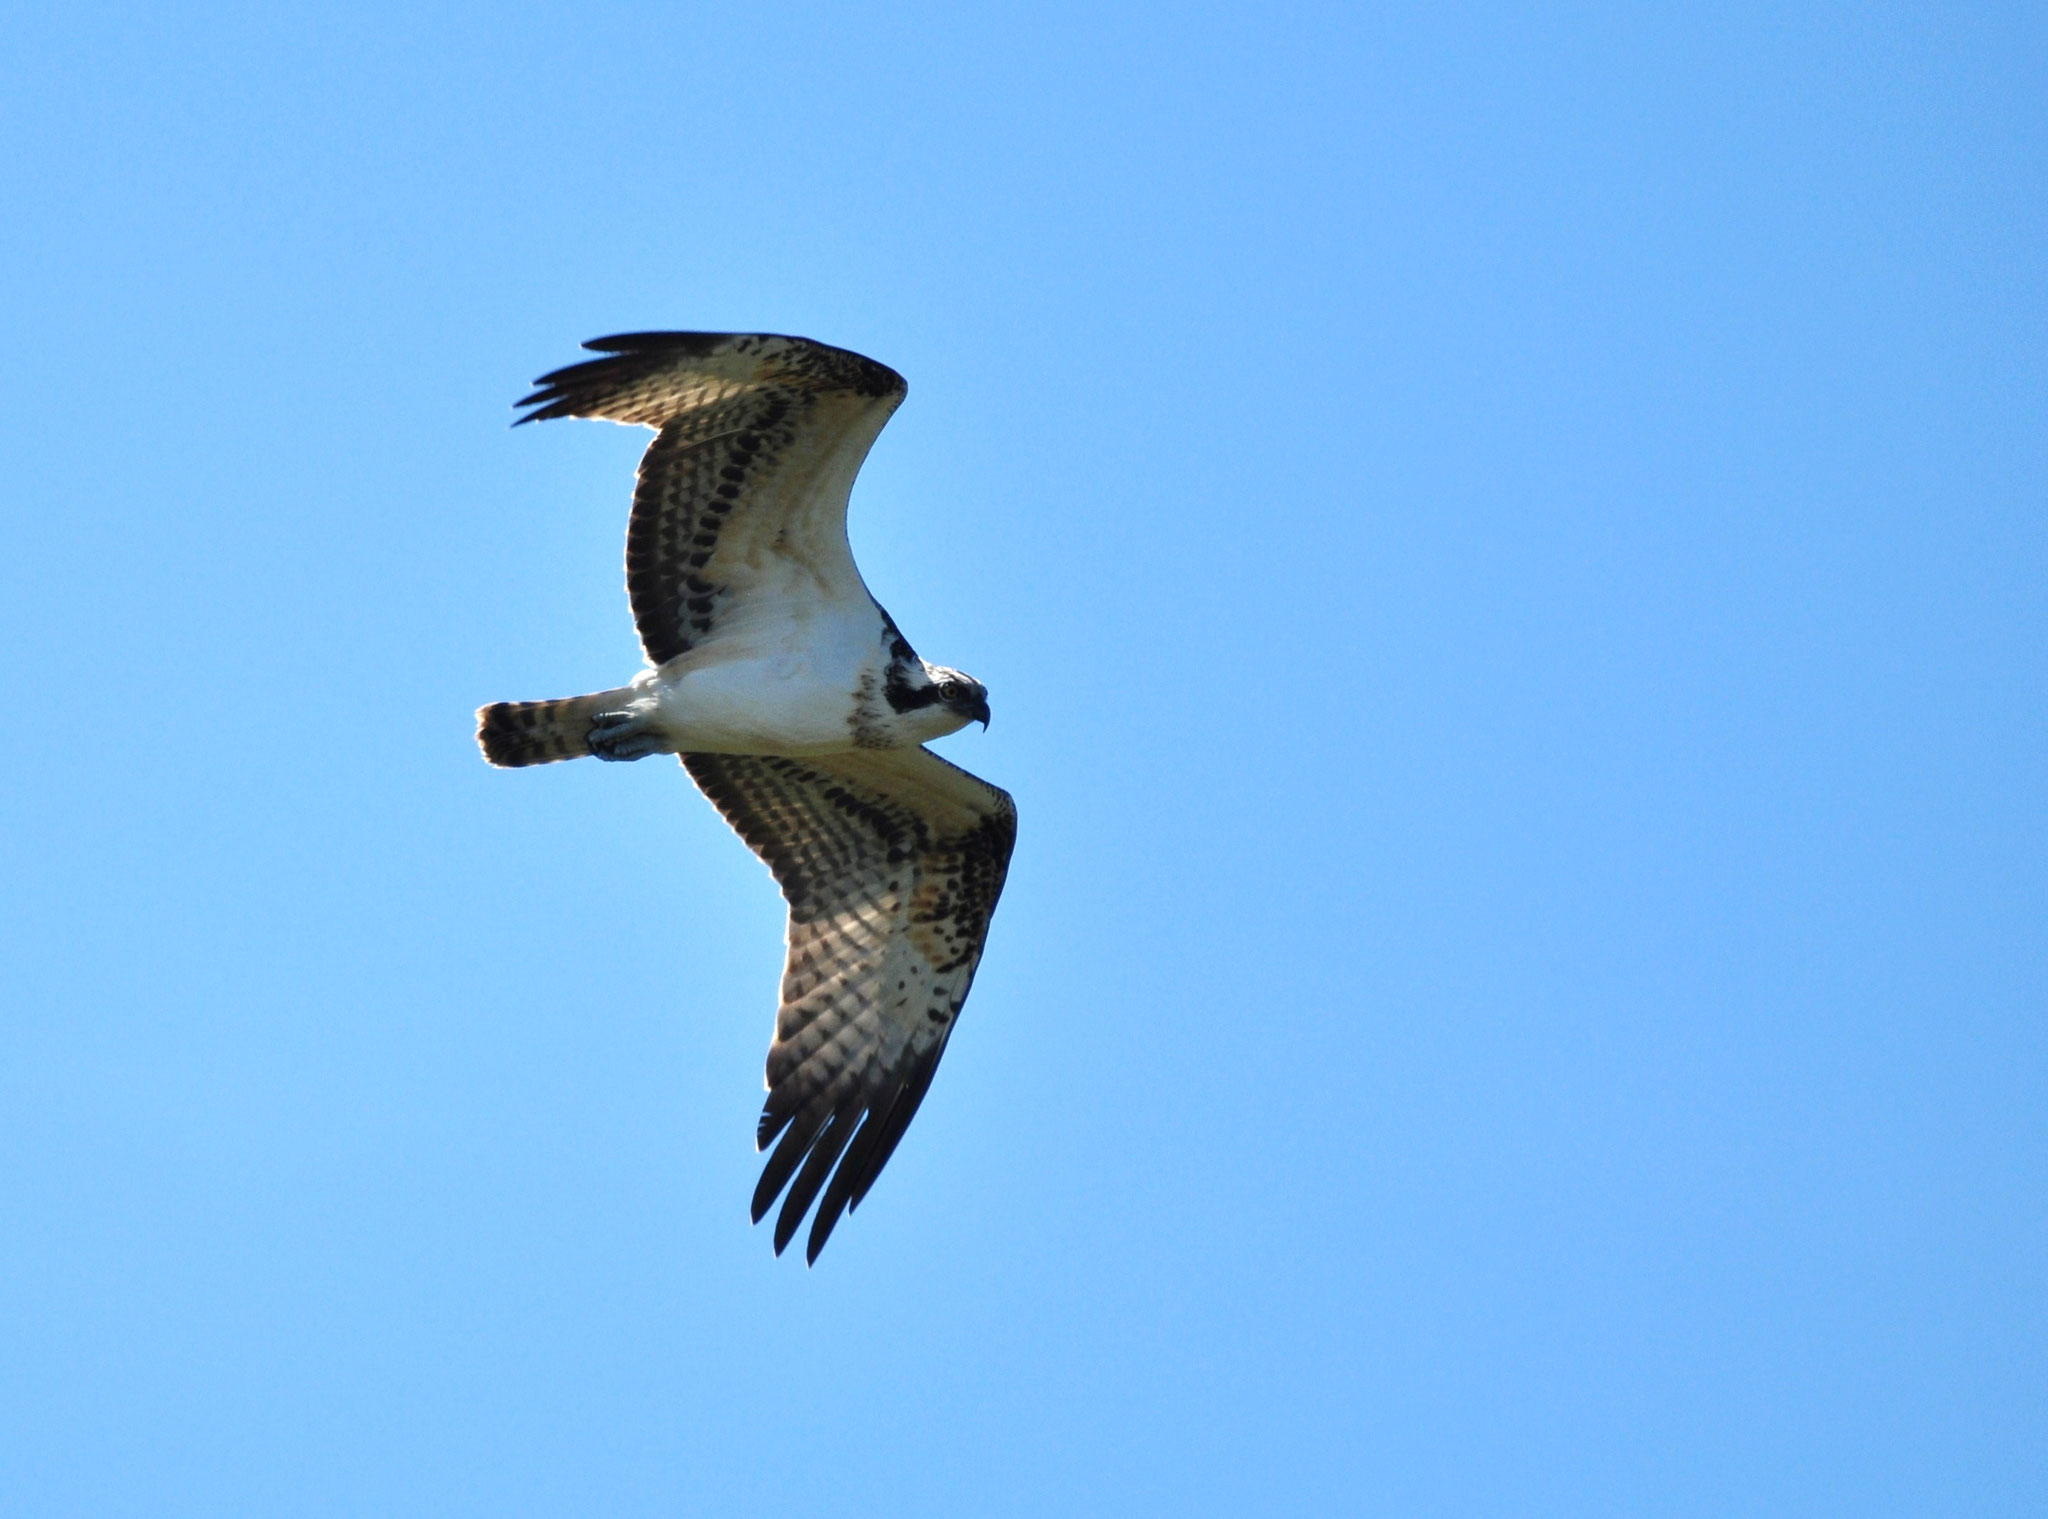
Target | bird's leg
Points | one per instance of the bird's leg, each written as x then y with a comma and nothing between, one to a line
629,733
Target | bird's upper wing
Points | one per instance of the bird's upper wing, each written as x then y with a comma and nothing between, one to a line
891,861
742,494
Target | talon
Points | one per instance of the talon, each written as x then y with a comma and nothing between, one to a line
621,736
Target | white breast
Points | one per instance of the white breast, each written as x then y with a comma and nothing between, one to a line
774,684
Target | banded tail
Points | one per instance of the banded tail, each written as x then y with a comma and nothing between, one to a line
513,733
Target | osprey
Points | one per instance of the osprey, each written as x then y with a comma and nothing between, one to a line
801,711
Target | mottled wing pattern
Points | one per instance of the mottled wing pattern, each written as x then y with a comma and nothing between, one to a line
891,861
743,491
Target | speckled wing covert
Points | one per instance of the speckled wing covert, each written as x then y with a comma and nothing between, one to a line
743,491
891,861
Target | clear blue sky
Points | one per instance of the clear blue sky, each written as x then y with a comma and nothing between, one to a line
1508,552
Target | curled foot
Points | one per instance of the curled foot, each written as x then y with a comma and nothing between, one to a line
627,735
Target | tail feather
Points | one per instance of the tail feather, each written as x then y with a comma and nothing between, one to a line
515,733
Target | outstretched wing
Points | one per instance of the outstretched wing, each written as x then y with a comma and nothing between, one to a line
742,493
891,861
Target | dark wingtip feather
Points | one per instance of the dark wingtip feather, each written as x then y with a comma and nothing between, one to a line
833,1203
831,1141
890,1128
818,1237
773,1121
783,1163
785,1225
551,396
692,344
547,404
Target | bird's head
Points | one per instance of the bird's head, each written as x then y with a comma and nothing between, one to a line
928,701
958,693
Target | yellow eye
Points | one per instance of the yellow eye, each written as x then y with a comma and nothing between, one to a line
951,690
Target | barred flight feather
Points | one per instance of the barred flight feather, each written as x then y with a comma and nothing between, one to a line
758,440
891,862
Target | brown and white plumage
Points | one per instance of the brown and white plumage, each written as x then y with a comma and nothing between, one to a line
800,710
743,492
891,861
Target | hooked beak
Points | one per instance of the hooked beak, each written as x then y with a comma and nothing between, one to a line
979,712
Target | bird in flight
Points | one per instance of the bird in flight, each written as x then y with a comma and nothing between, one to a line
802,712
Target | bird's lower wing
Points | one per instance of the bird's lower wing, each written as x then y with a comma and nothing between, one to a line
891,862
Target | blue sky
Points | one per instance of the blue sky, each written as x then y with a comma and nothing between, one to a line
1508,551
